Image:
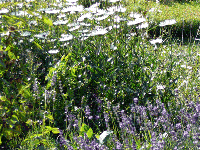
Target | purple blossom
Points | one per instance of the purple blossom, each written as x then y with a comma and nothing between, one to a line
185,134
54,78
178,126
88,112
118,145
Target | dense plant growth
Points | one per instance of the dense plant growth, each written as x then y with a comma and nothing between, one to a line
90,76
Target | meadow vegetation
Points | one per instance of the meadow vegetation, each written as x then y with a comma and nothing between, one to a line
107,75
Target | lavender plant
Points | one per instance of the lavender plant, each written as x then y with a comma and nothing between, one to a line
90,78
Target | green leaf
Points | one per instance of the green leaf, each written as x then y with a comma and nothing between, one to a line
49,116
29,122
48,128
73,71
25,91
55,130
48,21
84,128
14,119
67,57
38,45
89,133
11,55
97,136
8,133
0,139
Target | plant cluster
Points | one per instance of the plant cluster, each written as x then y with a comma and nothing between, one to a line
75,77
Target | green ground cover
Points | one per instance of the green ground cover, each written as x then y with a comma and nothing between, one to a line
185,13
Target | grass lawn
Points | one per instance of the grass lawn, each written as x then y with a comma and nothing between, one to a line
186,14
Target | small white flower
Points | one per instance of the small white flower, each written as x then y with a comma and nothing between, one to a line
4,11
113,47
136,21
135,15
98,32
26,33
143,25
52,11
66,37
60,22
53,51
42,35
153,42
167,22
113,1
160,87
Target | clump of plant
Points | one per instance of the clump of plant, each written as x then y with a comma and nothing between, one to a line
75,78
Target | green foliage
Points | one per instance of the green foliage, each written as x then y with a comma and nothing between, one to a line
85,129
41,92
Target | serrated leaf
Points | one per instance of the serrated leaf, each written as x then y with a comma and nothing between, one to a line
89,133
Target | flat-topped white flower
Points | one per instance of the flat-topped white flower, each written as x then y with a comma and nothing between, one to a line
66,37
26,33
42,35
4,11
75,28
158,40
84,16
72,1
5,33
98,31
61,16
73,24
136,21
114,1
143,25
53,51
167,22
100,12
85,24
78,8
53,11
19,13
102,18
60,22
135,15
116,9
